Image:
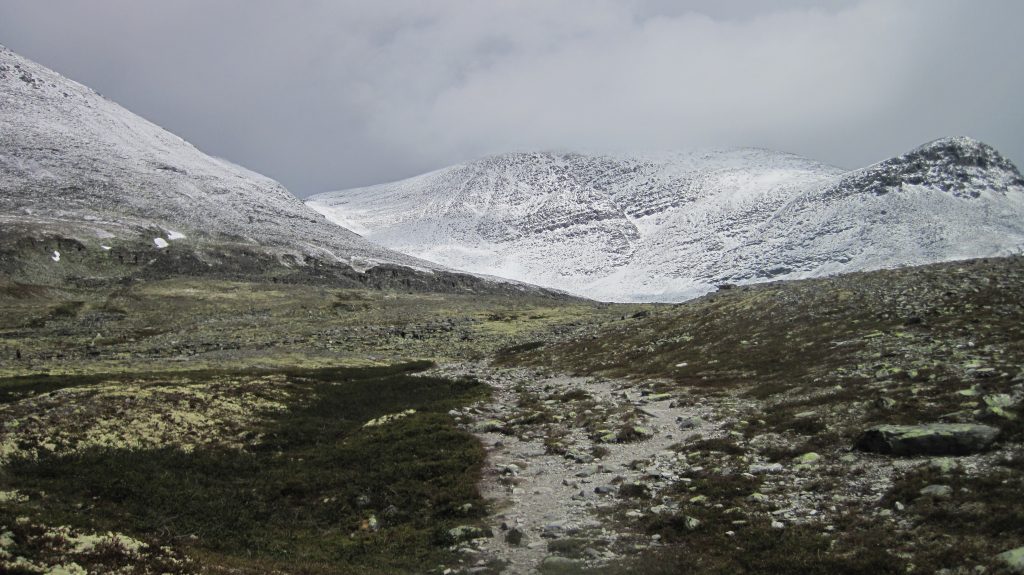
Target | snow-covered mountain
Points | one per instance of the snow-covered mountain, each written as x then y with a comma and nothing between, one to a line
88,188
671,226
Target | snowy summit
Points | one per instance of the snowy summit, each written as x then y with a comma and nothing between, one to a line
672,226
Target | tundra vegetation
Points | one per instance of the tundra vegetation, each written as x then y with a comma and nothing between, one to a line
866,423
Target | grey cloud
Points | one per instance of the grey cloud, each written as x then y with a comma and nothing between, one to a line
330,94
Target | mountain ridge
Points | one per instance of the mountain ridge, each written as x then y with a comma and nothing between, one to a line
666,227
93,191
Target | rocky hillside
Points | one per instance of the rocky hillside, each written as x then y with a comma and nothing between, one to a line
91,190
672,226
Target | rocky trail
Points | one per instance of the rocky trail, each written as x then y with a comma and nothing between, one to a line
578,468
546,492
556,464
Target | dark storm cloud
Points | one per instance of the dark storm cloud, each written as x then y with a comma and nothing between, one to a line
330,94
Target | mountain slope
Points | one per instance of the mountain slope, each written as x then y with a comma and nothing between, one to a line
668,227
90,189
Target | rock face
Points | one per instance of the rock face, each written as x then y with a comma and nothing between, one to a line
89,189
672,226
930,439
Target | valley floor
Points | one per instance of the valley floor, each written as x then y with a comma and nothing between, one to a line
188,426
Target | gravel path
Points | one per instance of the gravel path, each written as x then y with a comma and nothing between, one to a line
550,495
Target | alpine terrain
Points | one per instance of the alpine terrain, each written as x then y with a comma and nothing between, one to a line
200,375
92,190
671,226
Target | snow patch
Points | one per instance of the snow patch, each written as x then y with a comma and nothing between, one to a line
55,256
173,235
361,265
160,243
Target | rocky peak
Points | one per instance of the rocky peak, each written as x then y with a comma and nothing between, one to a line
961,166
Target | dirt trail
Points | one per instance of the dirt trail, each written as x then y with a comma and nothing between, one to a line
550,479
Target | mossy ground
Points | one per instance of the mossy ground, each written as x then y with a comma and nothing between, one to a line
189,324
319,493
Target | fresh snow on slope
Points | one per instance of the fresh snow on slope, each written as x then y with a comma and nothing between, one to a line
668,227
76,163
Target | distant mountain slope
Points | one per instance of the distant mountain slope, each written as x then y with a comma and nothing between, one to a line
668,227
90,189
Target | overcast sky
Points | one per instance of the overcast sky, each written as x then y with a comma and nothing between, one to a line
331,94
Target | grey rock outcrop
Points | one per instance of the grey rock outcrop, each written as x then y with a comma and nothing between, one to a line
928,439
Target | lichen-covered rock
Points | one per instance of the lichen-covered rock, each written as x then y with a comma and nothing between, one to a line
937,492
488,426
467,532
385,419
556,564
1013,560
809,458
928,439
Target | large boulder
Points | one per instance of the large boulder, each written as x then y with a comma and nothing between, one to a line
1013,560
928,439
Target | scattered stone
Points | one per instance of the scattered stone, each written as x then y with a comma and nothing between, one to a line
765,468
940,492
943,465
998,404
568,546
928,439
1001,412
691,523
810,457
12,497
511,469
514,537
886,403
689,422
556,564
555,529
385,419
642,432
467,532
759,497
488,426
579,456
